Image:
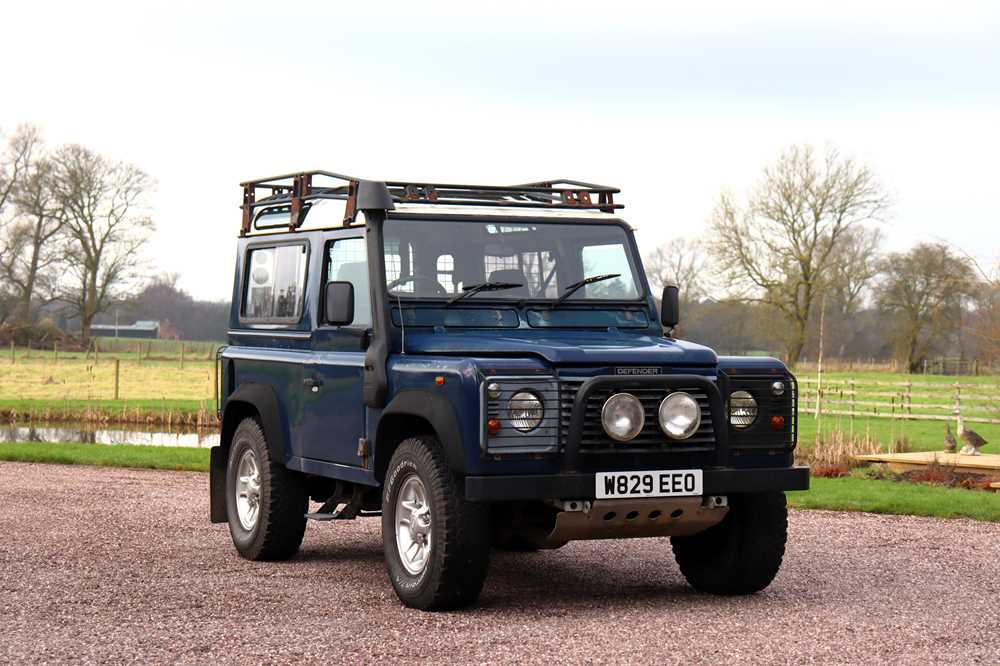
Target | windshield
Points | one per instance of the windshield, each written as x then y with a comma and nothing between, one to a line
520,260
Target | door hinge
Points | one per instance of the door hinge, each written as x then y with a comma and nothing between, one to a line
363,452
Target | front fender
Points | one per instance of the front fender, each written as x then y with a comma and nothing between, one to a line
438,411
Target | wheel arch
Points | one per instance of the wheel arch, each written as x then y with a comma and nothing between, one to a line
256,401
418,412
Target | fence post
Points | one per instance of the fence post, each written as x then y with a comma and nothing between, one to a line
12,361
854,397
55,352
909,397
97,350
182,356
117,363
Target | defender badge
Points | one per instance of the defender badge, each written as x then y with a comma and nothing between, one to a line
637,371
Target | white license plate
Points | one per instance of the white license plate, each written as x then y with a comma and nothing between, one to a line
664,483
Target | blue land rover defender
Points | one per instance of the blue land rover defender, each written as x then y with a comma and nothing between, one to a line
484,367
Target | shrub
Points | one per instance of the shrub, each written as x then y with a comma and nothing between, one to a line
831,471
838,449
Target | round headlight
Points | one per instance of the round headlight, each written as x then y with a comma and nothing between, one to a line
622,416
680,415
742,409
525,411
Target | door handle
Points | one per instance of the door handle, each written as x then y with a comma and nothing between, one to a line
312,383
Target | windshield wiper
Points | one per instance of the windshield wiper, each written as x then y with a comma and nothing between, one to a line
474,289
573,288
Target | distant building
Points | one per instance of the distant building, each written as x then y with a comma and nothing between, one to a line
144,329
168,331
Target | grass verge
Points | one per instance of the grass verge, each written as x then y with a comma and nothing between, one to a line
147,457
853,494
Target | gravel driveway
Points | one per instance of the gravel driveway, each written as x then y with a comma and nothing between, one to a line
103,565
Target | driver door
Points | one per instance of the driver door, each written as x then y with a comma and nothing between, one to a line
333,418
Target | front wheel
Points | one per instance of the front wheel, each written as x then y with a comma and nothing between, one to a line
740,555
436,544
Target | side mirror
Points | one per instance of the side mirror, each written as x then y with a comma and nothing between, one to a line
338,303
670,307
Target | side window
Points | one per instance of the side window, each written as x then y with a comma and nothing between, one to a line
275,281
347,261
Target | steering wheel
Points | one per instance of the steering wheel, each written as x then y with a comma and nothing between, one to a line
438,289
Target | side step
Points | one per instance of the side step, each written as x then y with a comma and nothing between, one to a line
350,510
339,515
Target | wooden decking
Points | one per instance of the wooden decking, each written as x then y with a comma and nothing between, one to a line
985,463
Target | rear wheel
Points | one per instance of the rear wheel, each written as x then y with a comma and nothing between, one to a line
436,544
740,555
265,503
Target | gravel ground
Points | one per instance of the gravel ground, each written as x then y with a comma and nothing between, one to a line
103,565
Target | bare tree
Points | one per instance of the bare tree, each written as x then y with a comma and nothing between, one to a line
856,263
106,225
984,327
32,265
925,291
778,248
681,262
14,162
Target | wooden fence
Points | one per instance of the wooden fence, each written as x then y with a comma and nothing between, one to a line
927,401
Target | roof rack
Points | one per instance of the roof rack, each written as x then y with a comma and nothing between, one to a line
295,189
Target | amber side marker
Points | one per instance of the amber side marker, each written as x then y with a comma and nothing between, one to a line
439,381
493,426
777,423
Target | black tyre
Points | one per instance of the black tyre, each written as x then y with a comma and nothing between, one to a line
740,555
265,503
437,545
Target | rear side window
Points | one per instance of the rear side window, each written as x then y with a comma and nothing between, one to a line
275,282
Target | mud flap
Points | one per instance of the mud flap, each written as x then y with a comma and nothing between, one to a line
217,484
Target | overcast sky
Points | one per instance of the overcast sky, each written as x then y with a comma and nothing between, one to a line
671,103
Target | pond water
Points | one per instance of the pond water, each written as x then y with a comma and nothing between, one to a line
92,433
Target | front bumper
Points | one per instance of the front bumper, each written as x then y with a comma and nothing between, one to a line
581,486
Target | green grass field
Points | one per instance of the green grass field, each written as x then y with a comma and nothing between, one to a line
164,413
921,435
852,494
844,494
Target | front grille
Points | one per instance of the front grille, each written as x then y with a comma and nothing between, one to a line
651,438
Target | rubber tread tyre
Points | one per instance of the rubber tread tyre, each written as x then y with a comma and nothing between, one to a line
743,553
459,559
281,522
